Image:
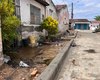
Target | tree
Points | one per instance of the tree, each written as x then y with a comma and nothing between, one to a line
9,22
51,25
97,18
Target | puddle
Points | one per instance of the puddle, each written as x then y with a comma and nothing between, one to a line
90,51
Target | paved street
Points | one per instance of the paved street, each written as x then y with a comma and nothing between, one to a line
83,61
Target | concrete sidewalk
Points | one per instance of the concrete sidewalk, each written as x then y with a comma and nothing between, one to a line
83,61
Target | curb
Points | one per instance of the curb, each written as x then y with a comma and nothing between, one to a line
50,72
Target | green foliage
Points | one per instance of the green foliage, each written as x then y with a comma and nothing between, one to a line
51,25
6,7
9,22
9,27
97,18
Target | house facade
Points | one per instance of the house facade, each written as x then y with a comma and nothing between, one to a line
81,24
31,14
63,17
94,24
51,10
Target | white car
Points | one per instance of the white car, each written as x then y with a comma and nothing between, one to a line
93,29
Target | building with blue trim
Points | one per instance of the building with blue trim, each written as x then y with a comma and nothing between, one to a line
81,24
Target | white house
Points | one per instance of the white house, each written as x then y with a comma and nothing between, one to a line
31,13
63,17
51,10
94,24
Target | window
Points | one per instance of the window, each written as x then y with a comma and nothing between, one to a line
51,12
17,8
35,15
42,17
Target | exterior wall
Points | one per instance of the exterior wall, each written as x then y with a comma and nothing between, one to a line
94,26
63,17
80,26
25,10
28,28
53,8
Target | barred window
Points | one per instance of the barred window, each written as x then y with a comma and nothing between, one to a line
17,8
35,15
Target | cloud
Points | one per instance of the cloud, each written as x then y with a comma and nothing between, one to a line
77,11
98,5
60,2
84,8
90,4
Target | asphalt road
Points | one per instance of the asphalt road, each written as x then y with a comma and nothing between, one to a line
83,60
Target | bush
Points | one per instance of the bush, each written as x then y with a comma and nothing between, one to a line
51,25
9,23
9,26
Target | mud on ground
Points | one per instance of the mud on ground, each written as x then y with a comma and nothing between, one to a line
38,58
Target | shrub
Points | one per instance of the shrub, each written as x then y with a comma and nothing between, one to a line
51,25
9,23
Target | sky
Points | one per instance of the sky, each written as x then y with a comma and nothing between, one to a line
83,9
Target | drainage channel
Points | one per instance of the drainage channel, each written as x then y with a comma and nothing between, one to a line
53,71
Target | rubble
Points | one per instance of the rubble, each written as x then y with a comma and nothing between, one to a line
34,72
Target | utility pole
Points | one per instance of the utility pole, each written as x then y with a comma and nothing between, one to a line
72,14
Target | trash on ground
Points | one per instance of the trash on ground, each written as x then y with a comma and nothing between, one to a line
22,64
